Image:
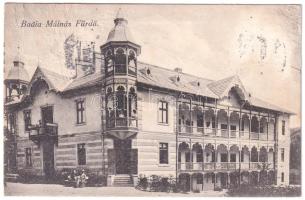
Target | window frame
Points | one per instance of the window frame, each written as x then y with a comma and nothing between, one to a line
81,111
28,157
162,110
282,154
81,146
162,150
283,127
27,123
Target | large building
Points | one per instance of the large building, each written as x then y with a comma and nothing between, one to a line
119,116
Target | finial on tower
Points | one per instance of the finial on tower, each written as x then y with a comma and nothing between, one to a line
120,17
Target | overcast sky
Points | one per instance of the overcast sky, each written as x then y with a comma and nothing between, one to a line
262,44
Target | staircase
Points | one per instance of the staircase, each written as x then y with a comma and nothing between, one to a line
122,180
10,177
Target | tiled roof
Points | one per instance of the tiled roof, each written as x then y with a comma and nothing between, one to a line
120,32
18,73
85,81
219,87
263,104
162,77
58,81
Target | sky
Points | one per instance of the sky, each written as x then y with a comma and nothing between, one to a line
260,43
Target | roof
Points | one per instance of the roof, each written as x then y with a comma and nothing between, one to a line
18,72
162,77
158,77
166,78
85,81
263,104
55,81
120,32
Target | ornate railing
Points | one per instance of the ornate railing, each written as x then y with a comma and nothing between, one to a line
254,136
122,122
224,133
222,166
47,129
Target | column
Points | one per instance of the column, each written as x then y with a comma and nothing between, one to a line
250,119
191,117
228,123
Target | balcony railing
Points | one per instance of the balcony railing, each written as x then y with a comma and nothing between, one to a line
41,130
254,136
224,133
122,122
222,166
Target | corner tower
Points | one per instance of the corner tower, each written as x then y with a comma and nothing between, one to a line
120,52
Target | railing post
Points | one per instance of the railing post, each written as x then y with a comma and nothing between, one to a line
228,122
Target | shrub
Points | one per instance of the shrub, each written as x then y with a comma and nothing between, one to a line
142,183
265,191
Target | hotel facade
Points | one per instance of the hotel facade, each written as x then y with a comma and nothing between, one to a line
124,118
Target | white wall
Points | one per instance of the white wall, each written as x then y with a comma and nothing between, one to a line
64,112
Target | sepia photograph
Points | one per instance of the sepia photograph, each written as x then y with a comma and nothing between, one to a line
171,100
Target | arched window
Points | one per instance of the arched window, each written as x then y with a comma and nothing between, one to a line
132,101
254,124
121,102
132,63
120,61
109,62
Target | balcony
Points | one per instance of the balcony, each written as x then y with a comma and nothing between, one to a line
221,133
40,132
222,166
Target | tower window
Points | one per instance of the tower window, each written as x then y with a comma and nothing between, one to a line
120,61
282,177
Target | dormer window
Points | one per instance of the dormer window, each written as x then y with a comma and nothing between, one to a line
178,78
148,71
198,83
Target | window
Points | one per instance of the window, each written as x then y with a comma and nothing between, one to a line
233,127
223,157
223,126
199,155
242,155
80,111
187,156
163,153
81,154
282,154
199,120
28,157
163,112
199,179
282,177
27,119
283,127
242,125
233,157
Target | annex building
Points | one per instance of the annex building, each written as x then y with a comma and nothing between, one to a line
123,118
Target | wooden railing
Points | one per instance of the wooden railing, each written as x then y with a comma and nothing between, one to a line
48,129
223,133
221,166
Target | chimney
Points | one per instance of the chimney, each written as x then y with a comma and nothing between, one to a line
178,69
